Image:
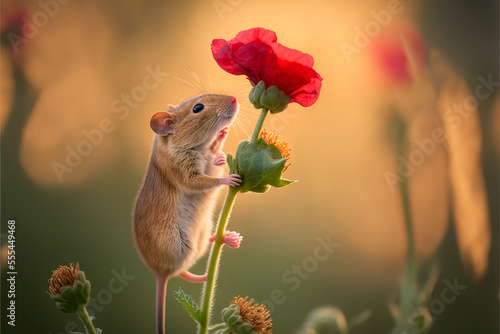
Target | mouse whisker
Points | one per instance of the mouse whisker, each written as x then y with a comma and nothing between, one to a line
196,77
180,99
197,88
243,128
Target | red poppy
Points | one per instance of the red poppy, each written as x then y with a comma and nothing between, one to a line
256,54
392,59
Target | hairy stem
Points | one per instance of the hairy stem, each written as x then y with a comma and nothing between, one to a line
258,126
213,263
84,315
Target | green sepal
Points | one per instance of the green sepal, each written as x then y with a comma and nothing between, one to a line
189,305
256,93
271,98
244,327
229,311
274,99
260,166
233,320
231,163
72,299
261,189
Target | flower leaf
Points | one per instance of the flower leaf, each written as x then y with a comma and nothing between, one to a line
189,304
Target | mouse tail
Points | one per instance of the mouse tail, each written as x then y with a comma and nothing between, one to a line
161,289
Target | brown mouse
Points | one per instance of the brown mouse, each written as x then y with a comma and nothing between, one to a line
173,212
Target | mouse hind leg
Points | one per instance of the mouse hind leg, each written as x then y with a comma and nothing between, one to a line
232,239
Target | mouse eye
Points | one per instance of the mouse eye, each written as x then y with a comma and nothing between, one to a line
197,108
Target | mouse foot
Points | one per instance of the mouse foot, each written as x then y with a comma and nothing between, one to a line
232,239
220,159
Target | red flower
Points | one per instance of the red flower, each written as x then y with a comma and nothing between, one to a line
12,19
256,54
392,60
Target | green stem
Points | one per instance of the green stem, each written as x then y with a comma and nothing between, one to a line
258,126
213,263
409,284
84,315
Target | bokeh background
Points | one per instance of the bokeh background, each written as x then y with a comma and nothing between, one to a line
68,67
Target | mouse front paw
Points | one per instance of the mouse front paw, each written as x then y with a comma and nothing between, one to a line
223,133
220,159
232,180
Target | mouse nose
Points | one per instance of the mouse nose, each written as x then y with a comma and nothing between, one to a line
234,100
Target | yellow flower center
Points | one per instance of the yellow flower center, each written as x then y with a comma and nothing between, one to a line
272,138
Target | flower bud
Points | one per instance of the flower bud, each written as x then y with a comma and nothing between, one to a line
271,98
256,93
69,288
325,320
242,317
261,164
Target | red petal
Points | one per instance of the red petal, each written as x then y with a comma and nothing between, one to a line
309,94
223,56
292,55
255,34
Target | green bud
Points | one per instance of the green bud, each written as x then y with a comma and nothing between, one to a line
273,99
72,299
260,166
421,320
325,320
256,93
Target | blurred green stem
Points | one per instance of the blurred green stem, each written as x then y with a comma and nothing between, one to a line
258,126
213,263
408,287
84,315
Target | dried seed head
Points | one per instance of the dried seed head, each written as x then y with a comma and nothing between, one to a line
256,315
63,276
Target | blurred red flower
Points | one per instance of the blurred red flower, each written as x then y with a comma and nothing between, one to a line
256,54
391,58
12,19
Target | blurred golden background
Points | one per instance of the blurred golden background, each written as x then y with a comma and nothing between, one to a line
80,80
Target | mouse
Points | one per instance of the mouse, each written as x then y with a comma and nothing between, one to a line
173,212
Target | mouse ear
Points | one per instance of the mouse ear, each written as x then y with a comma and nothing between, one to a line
162,123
